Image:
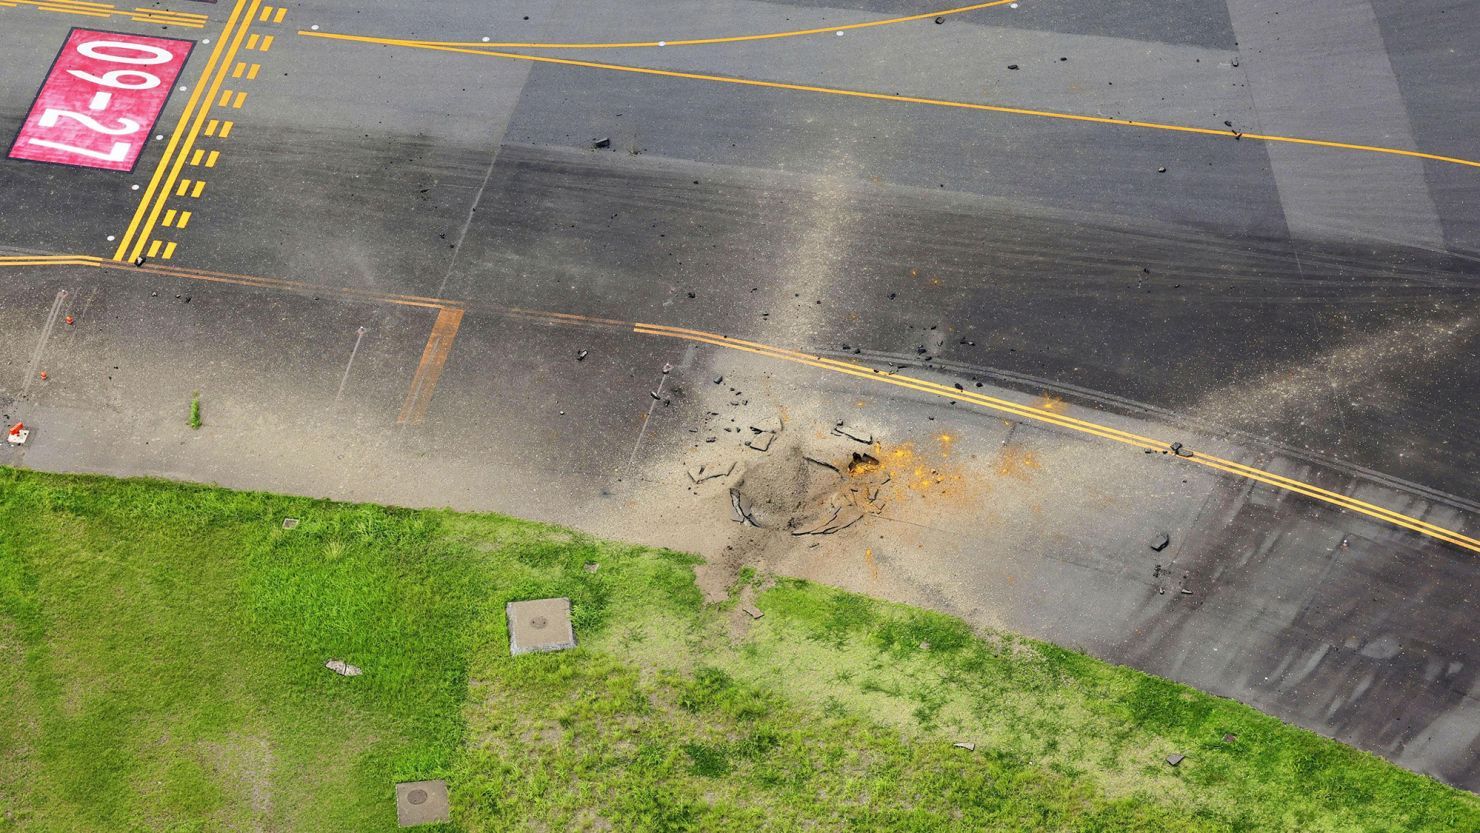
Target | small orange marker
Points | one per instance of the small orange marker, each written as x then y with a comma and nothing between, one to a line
69,320
43,375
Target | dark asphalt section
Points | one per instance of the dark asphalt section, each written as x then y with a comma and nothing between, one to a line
1004,246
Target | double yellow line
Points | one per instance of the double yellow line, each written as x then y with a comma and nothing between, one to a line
187,129
50,260
1105,432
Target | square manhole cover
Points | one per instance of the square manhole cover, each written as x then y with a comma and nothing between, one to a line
540,625
290,523
421,802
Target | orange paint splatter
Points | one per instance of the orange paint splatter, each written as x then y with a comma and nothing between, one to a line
1018,463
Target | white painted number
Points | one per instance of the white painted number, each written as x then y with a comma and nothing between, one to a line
113,78
118,154
156,55
52,116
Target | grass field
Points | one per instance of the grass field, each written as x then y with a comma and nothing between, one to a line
161,669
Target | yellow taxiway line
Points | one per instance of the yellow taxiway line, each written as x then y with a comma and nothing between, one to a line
901,99
794,33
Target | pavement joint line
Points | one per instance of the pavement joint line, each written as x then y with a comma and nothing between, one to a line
731,39
905,99
1105,432
450,315
174,145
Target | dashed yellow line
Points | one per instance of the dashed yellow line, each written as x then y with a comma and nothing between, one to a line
200,188
732,39
904,99
226,128
183,136
1083,426
212,157
241,98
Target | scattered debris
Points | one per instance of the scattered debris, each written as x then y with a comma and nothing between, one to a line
1012,66
603,142
667,368
592,566
853,434
140,260
1230,738
1161,170
707,472
771,425
825,464
752,612
863,463
1160,542
939,20
18,434
581,356
719,380
342,668
290,523
1178,450
742,509
1175,758
761,441
967,745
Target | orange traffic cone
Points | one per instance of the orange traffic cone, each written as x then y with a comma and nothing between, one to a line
43,375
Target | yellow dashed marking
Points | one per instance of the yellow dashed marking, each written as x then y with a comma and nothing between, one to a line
226,128
200,188
197,156
236,71
225,98
211,159
252,41
184,186
153,248
169,218
211,127
169,251
184,219
266,10
281,13
252,72
241,98
266,42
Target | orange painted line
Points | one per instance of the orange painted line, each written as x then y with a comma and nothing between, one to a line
433,359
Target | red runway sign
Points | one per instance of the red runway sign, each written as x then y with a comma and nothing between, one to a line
101,99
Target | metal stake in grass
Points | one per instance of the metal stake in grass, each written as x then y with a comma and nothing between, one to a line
195,411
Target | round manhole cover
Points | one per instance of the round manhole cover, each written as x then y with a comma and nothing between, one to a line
416,797
539,622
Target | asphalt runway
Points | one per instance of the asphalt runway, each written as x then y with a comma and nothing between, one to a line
401,250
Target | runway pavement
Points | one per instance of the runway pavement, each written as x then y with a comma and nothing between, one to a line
400,262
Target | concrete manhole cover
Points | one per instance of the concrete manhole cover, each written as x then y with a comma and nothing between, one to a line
421,802
540,625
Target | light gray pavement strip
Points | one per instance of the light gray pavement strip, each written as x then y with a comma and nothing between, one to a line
1335,46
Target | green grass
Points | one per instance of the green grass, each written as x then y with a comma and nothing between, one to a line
194,421
161,668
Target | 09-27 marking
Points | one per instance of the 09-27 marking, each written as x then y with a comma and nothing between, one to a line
100,100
